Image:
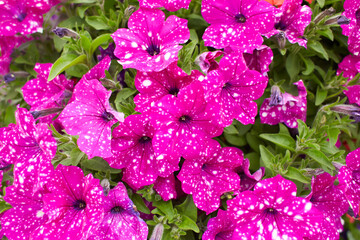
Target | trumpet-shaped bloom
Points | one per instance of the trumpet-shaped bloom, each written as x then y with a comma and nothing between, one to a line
237,23
207,61
292,21
272,211
208,177
150,43
284,107
153,86
233,87
220,227
121,220
90,116
170,5
74,205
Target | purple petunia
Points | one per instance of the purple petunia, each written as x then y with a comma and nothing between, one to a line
184,124
121,220
166,187
292,21
237,23
150,43
284,107
350,66
207,61
208,177
349,177
272,211
170,5
90,116
153,86
248,180
7,44
98,71
352,30
74,205
220,227
24,17
233,87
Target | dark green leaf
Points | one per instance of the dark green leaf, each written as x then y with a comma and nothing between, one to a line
281,140
293,65
98,164
139,203
295,174
321,95
317,47
165,207
188,208
319,157
188,224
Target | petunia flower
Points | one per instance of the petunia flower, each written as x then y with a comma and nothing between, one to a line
272,211
207,62
184,124
109,51
26,214
220,227
237,23
248,180
208,177
121,220
234,87
153,86
170,5
284,107
6,155
90,116
166,187
352,30
31,148
24,17
292,21
98,71
7,45
330,200
74,205
150,43
349,177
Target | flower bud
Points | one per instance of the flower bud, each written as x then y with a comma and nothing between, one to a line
106,186
158,232
65,32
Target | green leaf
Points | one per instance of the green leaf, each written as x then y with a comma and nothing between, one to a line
165,207
139,203
4,206
75,156
82,9
281,140
188,224
294,173
85,42
235,139
321,3
124,94
317,47
326,33
83,1
293,65
102,39
309,64
266,156
321,95
64,62
98,164
319,157
97,22
185,54
188,208
333,134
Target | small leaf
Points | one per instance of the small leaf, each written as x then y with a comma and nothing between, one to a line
64,62
321,3
309,64
188,208
165,207
321,95
333,134
124,94
317,47
326,33
98,164
294,173
97,22
188,224
266,156
104,38
293,65
319,157
4,206
281,140
85,42
139,203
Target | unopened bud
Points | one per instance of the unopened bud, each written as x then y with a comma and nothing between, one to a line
128,11
351,110
45,112
106,186
276,96
65,32
281,39
12,76
158,232
108,83
340,20
328,12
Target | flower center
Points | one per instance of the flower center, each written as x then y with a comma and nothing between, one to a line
270,211
276,96
144,139
226,86
185,119
153,50
107,116
357,16
280,26
20,17
116,209
240,18
174,91
79,204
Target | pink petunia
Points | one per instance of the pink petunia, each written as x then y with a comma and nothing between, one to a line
7,45
153,86
233,87
170,5
90,116
248,180
352,30
166,187
237,23
121,220
220,227
284,107
150,43
208,177
207,61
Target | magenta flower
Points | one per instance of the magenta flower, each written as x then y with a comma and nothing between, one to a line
6,153
170,5
330,201
220,227
284,107
292,21
208,177
26,213
153,86
349,66
272,211
207,61
248,180
90,116
30,147
150,43
133,150
352,30
234,87
74,205
349,176
23,17
260,59
237,23
98,71
166,187
7,45
184,124
121,220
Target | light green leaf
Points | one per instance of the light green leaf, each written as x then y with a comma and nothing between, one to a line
102,39
281,140
188,224
64,62
319,157
266,156
320,96
97,22
294,173
188,208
